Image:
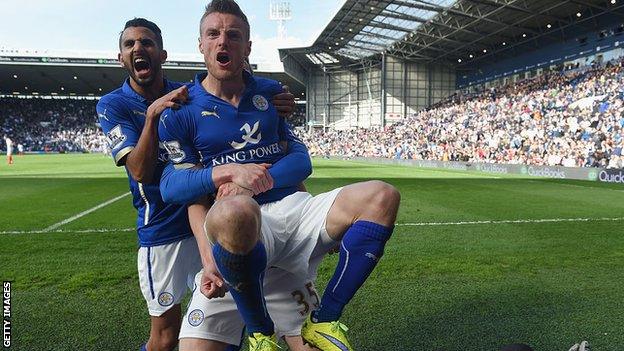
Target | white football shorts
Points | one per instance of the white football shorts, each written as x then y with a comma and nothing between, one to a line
289,300
166,272
294,234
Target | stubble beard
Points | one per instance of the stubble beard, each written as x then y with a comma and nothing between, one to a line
143,82
225,75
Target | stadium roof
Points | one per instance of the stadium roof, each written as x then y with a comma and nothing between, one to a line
444,31
72,75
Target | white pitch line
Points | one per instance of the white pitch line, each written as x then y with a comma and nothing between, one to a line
84,213
511,221
96,230
423,224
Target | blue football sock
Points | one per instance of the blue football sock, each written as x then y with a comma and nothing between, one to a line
244,275
361,248
143,347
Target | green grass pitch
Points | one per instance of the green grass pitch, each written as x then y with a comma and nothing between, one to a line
443,284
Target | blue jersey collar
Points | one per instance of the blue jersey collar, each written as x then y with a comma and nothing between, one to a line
248,78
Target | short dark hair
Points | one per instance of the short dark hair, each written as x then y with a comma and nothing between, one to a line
224,6
142,22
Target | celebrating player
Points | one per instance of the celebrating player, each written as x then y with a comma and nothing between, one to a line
211,325
230,129
168,253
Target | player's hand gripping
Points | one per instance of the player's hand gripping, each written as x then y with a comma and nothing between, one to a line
173,99
284,102
251,176
231,189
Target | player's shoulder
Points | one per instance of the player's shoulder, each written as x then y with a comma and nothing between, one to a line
113,107
173,85
179,116
267,85
195,90
114,98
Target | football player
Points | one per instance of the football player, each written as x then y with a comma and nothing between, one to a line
9,149
260,220
168,256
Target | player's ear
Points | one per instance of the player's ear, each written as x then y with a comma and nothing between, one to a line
163,56
120,59
201,48
248,49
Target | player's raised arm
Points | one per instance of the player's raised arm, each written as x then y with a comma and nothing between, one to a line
141,162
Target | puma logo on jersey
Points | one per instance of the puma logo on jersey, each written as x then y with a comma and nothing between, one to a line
210,113
248,136
103,115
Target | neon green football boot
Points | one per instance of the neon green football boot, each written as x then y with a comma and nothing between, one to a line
326,336
261,342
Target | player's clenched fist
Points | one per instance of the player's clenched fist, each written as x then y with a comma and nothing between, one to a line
171,100
212,284
284,102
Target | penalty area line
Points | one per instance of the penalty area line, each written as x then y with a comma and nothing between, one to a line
84,213
511,221
79,231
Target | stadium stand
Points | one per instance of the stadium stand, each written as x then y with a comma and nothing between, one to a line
479,81
572,118
52,125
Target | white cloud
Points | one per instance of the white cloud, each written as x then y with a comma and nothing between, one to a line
264,51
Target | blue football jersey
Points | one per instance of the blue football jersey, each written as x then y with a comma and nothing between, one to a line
212,132
122,117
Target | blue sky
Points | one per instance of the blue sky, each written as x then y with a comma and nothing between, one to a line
94,25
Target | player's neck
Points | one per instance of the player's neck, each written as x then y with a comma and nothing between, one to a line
151,92
228,90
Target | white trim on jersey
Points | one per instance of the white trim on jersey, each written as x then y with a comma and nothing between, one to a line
147,205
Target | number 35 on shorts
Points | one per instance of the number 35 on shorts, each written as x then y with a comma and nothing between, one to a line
300,298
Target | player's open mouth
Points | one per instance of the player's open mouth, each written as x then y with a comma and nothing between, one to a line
223,58
142,66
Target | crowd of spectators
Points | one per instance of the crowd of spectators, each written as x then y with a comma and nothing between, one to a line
572,118
52,125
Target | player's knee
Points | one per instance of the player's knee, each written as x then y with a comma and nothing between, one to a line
167,340
382,197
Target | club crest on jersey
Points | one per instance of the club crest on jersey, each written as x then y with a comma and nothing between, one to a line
196,317
165,299
260,102
176,154
248,137
115,137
